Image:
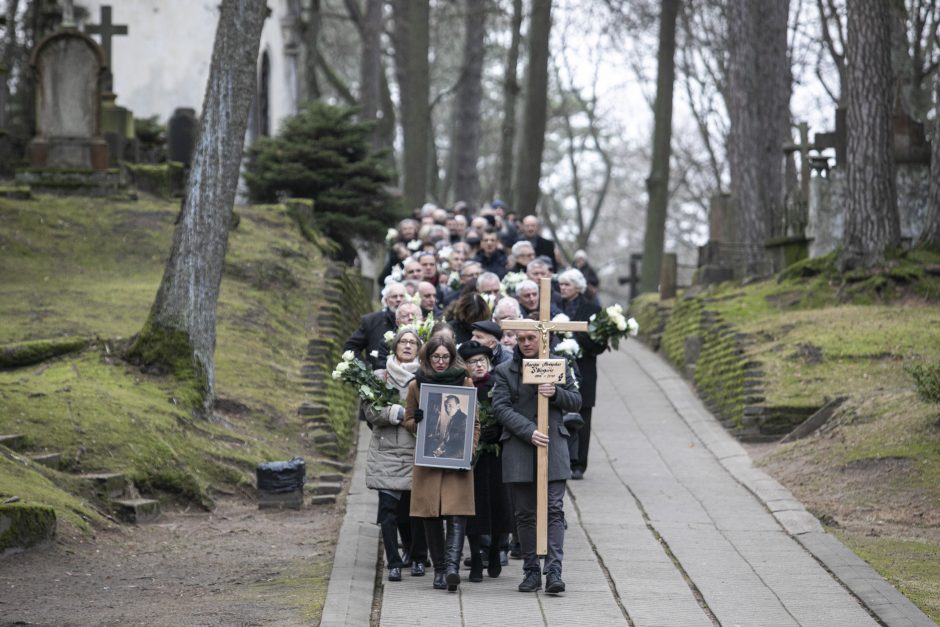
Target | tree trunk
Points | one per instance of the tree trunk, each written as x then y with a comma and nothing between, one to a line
529,155
510,93
179,334
657,185
467,107
412,31
311,52
370,69
930,236
759,82
872,226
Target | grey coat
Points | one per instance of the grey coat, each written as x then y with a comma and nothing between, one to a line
515,407
391,454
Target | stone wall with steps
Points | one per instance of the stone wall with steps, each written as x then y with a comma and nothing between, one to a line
329,409
714,355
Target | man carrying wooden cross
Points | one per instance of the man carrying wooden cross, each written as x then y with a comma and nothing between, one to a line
535,444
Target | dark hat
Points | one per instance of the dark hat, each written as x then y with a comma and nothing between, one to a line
472,348
489,327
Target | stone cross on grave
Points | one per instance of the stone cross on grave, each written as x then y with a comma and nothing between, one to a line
545,327
107,29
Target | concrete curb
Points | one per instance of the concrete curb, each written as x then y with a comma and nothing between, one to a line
888,605
352,580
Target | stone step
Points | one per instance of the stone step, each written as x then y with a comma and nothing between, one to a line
52,460
327,488
323,499
109,485
280,500
136,510
25,526
324,438
309,408
14,442
332,463
331,478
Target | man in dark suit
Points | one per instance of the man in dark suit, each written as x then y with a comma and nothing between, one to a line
449,432
370,336
515,406
544,247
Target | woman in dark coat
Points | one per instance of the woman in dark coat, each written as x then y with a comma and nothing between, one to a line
464,311
579,309
494,512
440,494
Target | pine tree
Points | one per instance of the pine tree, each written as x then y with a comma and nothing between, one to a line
324,154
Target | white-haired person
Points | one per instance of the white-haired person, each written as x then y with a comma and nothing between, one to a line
527,293
390,461
522,253
369,338
578,308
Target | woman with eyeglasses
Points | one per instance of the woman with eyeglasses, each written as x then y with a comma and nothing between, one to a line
440,495
578,308
489,528
391,458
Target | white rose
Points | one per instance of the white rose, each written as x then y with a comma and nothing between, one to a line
342,367
415,244
621,325
374,354
618,308
337,375
348,356
389,336
634,326
391,235
561,318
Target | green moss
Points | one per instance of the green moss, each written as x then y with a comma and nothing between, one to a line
29,353
301,585
164,180
23,526
38,486
165,350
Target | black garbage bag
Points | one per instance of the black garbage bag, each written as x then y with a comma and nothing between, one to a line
279,477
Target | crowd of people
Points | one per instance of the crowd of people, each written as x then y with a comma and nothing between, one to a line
449,279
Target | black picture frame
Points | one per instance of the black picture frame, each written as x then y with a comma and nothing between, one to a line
447,445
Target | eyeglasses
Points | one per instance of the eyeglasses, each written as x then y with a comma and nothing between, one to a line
440,358
411,342
476,362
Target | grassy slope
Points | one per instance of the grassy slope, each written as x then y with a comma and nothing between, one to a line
873,471
91,267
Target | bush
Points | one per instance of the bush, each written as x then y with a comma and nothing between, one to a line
323,154
927,381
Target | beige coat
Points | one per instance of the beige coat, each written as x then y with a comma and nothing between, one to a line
435,491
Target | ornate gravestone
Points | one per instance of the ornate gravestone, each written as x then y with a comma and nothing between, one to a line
181,135
68,66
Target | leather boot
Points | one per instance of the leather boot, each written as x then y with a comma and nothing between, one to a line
456,530
494,567
476,560
435,534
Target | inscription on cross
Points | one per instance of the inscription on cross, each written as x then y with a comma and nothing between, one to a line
545,327
107,29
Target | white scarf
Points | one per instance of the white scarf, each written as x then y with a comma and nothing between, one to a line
399,374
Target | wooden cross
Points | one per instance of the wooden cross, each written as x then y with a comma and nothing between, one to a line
545,327
107,30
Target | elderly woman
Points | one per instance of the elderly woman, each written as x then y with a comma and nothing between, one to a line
577,307
439,494
391,458
490,527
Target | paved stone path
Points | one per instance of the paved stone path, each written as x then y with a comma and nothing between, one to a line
672,526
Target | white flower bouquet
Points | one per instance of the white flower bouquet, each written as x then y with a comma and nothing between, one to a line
369,387
569,349
609,325
511,281
391,236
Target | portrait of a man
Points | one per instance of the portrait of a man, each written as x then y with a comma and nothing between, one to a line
445,435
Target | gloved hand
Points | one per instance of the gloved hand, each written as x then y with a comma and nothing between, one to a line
490,434
396,413
418,415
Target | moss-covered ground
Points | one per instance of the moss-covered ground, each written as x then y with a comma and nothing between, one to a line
811,335
89,268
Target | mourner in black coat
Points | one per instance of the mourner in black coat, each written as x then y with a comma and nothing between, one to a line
370,336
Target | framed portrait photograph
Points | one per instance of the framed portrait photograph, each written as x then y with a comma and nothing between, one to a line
445,436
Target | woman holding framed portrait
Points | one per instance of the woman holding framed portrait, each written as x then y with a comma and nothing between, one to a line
442,490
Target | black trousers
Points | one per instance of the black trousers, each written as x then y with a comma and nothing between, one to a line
580,441
523,497
393,511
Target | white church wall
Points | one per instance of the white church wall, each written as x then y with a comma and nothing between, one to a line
163,62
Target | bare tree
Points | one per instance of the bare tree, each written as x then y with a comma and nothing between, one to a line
179,333
411,40
872,226
930,236
758,107
657,184
467,106
510,93
529,153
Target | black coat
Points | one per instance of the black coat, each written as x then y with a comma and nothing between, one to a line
495,263
370,336
490,494
581,310
545,248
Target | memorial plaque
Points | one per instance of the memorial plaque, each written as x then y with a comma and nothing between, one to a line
543,371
